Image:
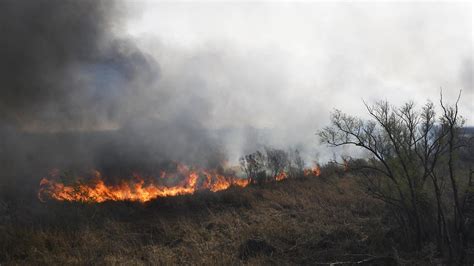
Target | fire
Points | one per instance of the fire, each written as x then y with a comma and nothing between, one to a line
315,171
182,180
282,175
138,188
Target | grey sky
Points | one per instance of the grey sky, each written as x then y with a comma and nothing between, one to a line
285,66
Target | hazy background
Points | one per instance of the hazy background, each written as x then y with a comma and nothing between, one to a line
285,66
110,83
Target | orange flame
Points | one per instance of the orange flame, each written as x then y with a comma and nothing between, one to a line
184,181
139,188
282,175
315,171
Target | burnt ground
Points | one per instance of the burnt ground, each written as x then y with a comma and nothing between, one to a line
303,221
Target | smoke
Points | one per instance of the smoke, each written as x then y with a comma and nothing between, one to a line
279,69
63,65
106,84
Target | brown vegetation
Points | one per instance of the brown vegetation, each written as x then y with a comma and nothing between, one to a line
410,202
414,167
298,221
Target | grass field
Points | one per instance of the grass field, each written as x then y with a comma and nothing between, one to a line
303,221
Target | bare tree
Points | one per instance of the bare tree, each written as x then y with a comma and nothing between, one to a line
406,146
299,163
295,164
453,123
277,161
254,166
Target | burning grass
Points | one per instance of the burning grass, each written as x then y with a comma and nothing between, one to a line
183,181
296,221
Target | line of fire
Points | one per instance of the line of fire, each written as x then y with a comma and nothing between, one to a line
183,180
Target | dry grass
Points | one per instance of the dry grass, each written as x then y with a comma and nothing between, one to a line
291,222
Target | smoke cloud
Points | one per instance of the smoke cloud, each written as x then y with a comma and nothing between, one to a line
113,85
281,68
63,65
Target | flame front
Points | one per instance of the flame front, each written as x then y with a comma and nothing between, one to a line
184,181
282,175
315,171
138,188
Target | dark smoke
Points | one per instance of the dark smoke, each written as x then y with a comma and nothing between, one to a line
77,92
76,95
62,64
